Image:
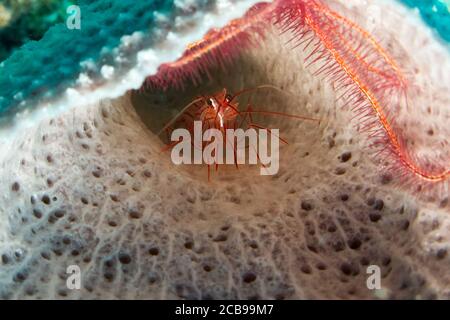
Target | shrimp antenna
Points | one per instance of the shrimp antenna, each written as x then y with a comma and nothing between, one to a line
274,113
269,86
179,114
264,86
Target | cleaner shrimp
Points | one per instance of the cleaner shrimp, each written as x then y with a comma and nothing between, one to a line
220,111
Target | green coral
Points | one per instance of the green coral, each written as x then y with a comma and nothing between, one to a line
5,16
25,20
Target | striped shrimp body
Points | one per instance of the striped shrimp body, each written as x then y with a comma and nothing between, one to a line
221,111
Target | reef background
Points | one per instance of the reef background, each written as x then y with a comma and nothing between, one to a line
22,21
89,186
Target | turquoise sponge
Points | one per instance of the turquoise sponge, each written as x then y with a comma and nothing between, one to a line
42,69
436,13
21,21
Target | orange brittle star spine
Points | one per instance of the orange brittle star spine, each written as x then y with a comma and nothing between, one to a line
358,57
375,104
214,40
374,43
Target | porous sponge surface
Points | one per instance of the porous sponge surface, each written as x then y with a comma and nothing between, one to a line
92,189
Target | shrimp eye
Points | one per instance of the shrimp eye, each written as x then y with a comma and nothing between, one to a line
228,98
209,102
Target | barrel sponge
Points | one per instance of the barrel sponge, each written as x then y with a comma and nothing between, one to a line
90,187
